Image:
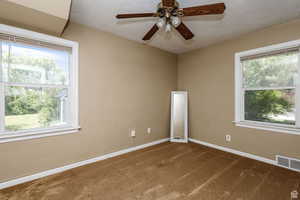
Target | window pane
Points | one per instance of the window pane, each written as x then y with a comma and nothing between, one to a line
35,65
274,106
27,108
271,71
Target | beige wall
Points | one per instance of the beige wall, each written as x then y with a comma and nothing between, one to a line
208,75
33,19
123,85
58,8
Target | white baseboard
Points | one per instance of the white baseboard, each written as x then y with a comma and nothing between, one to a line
74,165
240,153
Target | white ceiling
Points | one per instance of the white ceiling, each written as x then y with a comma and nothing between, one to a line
241,16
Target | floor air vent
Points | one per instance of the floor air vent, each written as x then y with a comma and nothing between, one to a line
295,164
290,163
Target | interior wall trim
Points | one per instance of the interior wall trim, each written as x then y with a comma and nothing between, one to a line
25,179
240,153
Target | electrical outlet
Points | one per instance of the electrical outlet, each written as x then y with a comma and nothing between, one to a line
132,133
294,194
228,138
149,130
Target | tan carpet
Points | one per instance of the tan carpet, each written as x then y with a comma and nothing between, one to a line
165,172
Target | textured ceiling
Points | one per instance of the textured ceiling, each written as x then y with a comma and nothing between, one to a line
241,16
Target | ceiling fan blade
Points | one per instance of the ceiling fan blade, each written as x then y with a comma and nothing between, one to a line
211,9
136,15
185,31
152,31
168,3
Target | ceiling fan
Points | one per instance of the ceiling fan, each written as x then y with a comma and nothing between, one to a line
170,15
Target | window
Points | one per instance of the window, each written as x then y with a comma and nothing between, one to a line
267,88
38,85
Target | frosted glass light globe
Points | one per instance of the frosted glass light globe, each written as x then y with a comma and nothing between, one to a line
176,21
161,22
168,27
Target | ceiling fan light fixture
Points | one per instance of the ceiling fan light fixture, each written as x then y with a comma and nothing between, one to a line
171,15
176,21
161,22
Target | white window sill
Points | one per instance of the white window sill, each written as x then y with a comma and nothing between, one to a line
12,137
268,127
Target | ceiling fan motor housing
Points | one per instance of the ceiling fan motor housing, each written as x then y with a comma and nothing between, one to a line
169,11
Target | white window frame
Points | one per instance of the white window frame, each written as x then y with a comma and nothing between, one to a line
73,126
239,93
